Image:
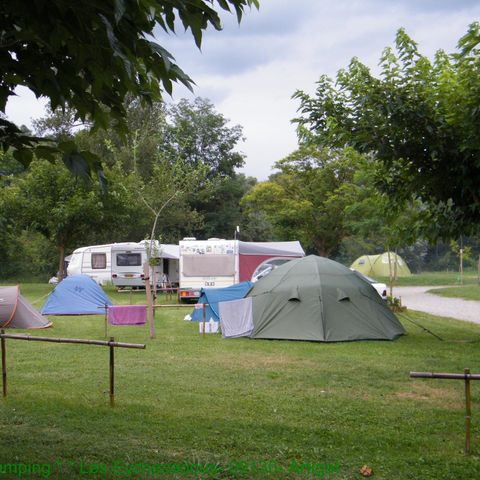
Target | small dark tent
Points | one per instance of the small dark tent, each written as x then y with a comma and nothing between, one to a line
16,312
76,295
212,296
312,298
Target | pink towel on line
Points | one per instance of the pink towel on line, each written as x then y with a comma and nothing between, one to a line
127,315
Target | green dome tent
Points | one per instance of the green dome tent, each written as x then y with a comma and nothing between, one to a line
312,298
377,265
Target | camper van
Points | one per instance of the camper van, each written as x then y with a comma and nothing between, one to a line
220,263
94,261
128,260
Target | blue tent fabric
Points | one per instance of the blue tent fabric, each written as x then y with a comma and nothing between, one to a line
76,295
213,296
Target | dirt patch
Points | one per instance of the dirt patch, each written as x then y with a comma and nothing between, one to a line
439,397
412,395
265,361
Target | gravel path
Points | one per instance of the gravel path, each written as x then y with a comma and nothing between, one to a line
416,298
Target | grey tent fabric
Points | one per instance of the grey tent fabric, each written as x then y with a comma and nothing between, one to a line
236,318
16,311
314,298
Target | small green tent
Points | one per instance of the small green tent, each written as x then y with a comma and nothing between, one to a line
312,298
377,265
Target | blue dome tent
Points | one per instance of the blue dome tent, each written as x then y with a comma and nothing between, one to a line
212,296
77,295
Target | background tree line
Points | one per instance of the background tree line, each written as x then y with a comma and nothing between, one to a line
185,154
383,163
181,156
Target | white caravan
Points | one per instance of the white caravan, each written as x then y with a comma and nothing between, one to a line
128,260
220,263
122,263
94,261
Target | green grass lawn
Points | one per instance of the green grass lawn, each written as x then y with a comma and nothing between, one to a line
467,292
435,278
248,408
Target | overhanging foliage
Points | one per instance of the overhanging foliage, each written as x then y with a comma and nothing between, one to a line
89,56
420,118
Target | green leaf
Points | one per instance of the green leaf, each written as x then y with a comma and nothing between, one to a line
117,47
23,156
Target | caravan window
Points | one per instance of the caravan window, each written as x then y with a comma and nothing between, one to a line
99,261
208,265
129,259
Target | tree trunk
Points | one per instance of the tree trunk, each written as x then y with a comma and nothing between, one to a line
461,266
322,251
390,272
61,263
478,270
395,267
148,292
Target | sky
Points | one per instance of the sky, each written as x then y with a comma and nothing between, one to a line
250,71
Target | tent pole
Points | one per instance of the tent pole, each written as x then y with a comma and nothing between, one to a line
4,365
112,372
